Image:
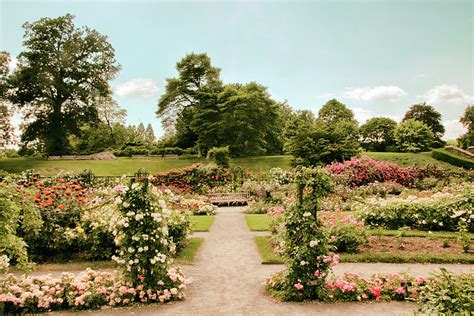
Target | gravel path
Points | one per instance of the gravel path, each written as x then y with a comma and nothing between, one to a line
227,280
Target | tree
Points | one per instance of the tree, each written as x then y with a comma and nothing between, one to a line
197,78
413,136
467,120
110,112
60,75
331,137
377,134
248,116
430,117
334,111
149,134
6,129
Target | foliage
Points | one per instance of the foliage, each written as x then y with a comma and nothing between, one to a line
141,233
430,117
377,134
463,236
446,293
441,211
444,155
365,170
196,178
413,136
327,139
345,232
334,112
88,290
16,216
60,74
221,156
305,246
6,129
467,120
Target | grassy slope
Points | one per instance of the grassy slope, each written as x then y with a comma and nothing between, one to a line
408,159
124,166
202,223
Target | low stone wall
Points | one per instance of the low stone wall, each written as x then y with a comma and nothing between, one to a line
99,156
460,152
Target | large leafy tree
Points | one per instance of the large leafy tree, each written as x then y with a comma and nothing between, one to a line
334,111
60,75
6,130
377,134
249,117
186,93
467,120
413,136
430,117
333,136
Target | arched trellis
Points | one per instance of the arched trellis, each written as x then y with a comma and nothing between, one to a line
237,178
141,176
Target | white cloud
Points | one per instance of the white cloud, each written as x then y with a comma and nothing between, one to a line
446,93
379,93
454,129
137,88
12,63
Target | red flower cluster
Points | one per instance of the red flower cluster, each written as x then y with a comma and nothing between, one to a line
56,195
365,170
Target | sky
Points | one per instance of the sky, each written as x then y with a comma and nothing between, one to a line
377,57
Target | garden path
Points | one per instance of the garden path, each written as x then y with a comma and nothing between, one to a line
227,280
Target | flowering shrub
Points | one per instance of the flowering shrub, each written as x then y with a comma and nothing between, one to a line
196,178
16,216
196,205
379,287
304,245
141,233
87,290
365,170
345,232
441,211
446,293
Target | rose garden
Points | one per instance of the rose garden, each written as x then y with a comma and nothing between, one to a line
245,205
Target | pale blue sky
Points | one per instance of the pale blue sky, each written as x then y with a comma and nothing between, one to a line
378,57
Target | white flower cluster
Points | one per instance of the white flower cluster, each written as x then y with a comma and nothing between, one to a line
4,263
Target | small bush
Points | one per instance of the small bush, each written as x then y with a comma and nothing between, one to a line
446,156
346,237
221,156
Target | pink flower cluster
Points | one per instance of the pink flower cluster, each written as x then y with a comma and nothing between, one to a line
352,287
90,289
365,170
275,211
332,219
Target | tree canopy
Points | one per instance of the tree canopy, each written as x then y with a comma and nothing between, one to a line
413,136
6,130
430,117
467,120
377,134
60,76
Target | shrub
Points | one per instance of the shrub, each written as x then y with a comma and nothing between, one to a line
197,178
441,211
446,156
413,136
167,151
221,156
448,294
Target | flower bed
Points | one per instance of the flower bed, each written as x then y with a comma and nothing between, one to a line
89,289
441,211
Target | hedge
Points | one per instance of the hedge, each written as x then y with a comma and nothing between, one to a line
446,156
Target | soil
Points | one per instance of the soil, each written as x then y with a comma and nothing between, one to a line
411,245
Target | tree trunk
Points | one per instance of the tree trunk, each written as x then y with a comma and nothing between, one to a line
199,153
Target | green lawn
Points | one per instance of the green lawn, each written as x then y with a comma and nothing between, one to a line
258,222
202,223
408,159
127,166
266,251
185,256
269,257
188,254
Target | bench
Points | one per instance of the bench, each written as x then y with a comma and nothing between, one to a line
229,198
155,156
